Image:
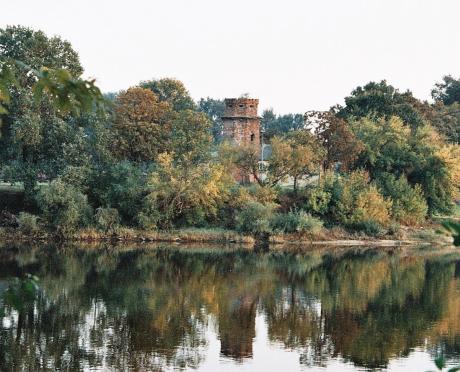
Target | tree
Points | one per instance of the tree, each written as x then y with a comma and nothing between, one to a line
142,125
172,91
214,109
40,85
336,137
381,100
183,192
448,91
420,155
446,119
278,125
298,155
190,138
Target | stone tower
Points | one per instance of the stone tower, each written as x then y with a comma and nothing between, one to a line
241,126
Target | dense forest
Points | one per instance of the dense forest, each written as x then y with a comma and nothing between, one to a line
150,157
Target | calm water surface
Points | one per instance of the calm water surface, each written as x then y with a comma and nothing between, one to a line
217,309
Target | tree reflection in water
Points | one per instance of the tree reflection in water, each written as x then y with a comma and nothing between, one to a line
151,308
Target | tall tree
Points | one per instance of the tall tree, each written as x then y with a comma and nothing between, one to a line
278,125
142,125
337,138
32,122
382,100
172,91
448,91
214,109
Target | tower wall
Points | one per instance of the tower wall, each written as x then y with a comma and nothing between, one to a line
241,126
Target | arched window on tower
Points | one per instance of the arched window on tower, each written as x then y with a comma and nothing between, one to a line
253,137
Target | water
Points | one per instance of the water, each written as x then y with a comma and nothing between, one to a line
220,309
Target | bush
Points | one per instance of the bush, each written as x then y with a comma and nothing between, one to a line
371,205
369,227
121,186
317,200
355,200
64,208
295,221
409,204
28,223
254,218
107,219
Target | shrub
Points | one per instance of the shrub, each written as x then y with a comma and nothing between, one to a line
317,200
64,208
295,221
120,186
254,218
107,219
409,204
354,200
371,205
369,227
28,223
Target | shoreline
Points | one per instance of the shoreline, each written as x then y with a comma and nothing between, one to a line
331,237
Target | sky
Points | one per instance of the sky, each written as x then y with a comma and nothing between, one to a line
294,55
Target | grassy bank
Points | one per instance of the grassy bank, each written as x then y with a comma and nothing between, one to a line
334,235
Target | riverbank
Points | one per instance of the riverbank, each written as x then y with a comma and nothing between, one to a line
333,236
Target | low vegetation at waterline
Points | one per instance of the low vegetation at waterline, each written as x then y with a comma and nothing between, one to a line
152,159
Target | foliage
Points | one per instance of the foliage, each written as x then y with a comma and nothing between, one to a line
409,205
279,125
21,293
39,79
298,155
440,363
214,109
254,218
448,91
171,91
28,223
446,119
419,154
183,192
454,229
190,140
120,186
63,207
336,137
317,200
107,219
381,100
295,221
142,125
355,200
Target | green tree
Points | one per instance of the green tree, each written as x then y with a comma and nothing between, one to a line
39,82
183,192
297,155
214,109
142,125
382,100
279,125
172,91
448,91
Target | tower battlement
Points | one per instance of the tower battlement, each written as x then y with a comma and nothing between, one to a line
241,107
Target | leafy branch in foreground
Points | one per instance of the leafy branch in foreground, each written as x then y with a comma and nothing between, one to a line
21,293
68,94
454,229
441,364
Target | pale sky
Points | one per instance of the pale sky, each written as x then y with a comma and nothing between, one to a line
294,55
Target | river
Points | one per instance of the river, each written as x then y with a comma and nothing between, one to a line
169,307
